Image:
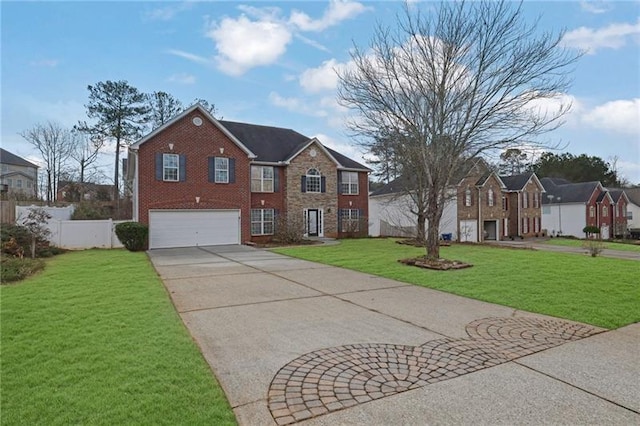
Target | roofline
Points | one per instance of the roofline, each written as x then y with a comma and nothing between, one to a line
136,145
308,144
16,172
353,169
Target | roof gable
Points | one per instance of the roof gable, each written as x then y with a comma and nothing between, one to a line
520,182
568,193
7,157
134,146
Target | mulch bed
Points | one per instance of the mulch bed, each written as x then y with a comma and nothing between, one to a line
274,244
439,265
415,243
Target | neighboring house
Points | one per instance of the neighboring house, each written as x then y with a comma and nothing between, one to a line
76,191
633,208
17,175
569,207
201,181
390,212
493,207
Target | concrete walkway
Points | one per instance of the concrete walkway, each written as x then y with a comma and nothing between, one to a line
293,341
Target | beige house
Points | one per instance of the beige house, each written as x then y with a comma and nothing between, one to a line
17,175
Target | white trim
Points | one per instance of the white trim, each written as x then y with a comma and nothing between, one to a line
305,212
307,145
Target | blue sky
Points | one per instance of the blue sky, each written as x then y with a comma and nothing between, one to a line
272,63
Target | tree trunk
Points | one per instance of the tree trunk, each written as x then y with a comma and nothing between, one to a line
33,247
434,215
422,220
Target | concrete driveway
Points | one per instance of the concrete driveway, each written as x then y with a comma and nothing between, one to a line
293,341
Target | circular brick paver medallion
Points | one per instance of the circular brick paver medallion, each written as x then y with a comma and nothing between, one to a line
335,378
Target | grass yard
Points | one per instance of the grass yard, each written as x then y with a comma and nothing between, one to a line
566,242
599,291
94,339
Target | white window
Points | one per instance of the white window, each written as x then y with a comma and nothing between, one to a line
262,221
19,183
525,200
350,220
490,199
536,200
313,181
505,203
467,197
349,184
592,211
261,179
525,225
10,182
170,167
222,170
605,211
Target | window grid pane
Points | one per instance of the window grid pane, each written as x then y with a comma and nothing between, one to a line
222,170
170,167
262,221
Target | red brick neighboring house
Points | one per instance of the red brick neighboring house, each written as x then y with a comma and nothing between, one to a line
201,181
492,207
570,207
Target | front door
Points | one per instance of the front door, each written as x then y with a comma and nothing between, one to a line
312,222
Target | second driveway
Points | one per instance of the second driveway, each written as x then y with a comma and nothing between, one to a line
286,337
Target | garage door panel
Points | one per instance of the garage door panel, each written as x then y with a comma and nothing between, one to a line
180,228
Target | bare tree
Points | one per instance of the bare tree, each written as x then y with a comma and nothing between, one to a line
54,144
86,149
208,106
452,85
162,108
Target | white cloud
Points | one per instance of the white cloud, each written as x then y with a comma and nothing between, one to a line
613,36
189,56
630,170
324,77
182,78
243,44
337,12
621,116
167,13
48,63
296,105
595,6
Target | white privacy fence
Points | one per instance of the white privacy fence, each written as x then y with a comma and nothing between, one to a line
82,234
75,234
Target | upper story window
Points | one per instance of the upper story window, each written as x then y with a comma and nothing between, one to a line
505,203
262,178
467,197
490,198
536,200
19,183
170,167
592,211
525,200
605,211
349,183
221,170
313,181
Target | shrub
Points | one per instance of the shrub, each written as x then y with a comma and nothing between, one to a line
90,211
289,228
15,239
593,247
591,230
16,269
133,235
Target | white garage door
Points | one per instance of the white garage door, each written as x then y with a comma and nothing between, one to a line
469,231
187,228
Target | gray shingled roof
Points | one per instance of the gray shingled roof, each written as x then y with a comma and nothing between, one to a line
568,193
274,144
633,194
516,182
7,157
615,194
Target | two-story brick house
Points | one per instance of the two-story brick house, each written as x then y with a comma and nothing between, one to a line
201,181
570,207
493,207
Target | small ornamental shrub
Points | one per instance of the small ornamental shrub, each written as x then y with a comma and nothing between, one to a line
591,230
289,228
90,211
16,269
593,247
133,235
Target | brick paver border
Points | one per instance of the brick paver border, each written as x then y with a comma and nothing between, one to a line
332,379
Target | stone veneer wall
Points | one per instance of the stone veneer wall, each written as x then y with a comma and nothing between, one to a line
296,200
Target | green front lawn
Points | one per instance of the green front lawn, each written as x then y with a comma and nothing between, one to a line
566,242
94,339
599,291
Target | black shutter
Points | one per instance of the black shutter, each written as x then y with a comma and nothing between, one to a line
339,220
212,169
182,168
339,182
232,170
276,179
159,166
276,214
304,184
323,184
